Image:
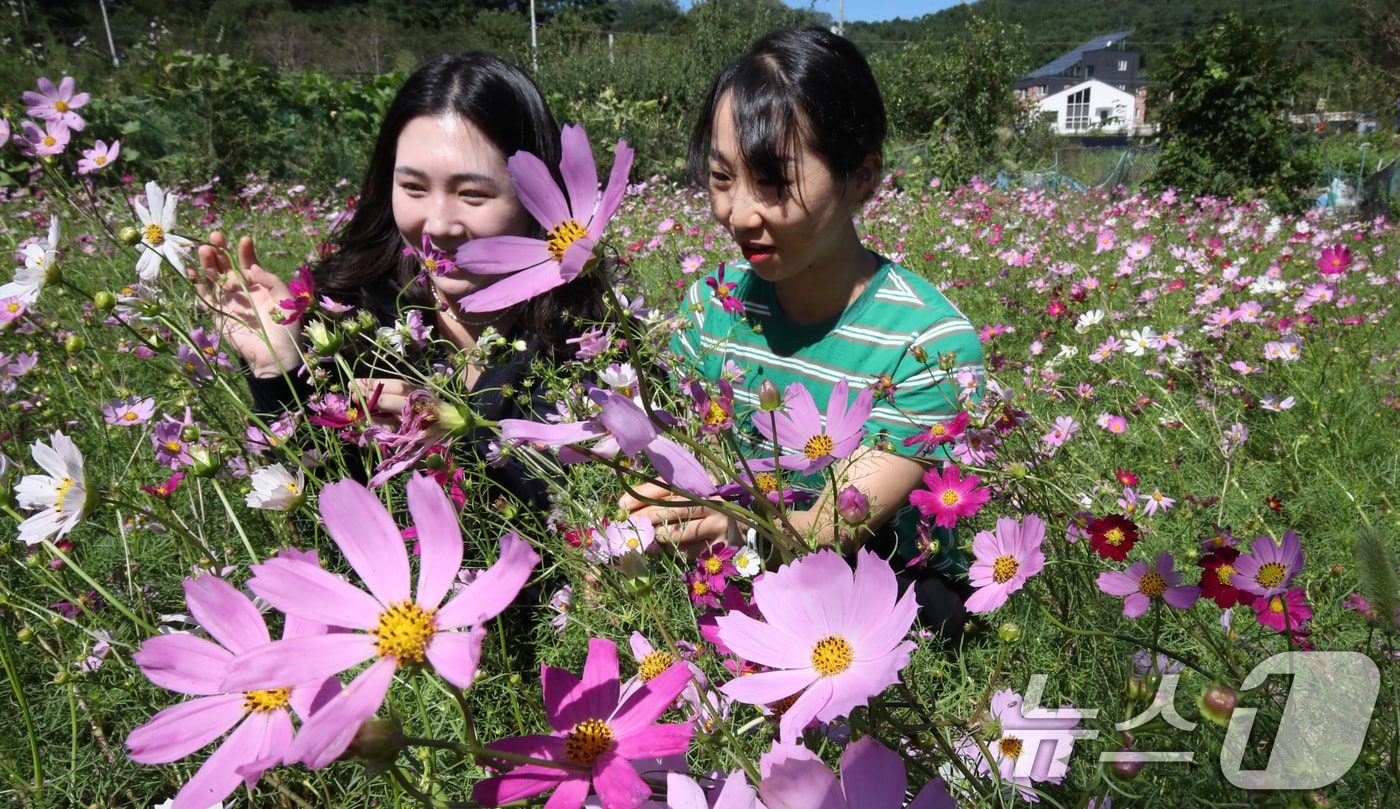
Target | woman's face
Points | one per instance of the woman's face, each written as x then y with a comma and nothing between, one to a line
781,233
450,183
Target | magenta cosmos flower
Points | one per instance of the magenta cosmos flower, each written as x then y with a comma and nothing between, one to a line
572,226
192,665
834,637
1285,612
801,427
596,736
1142,585
1268,569
1334,260
949,496
872,777
57,104
400,628
1004,561
622,425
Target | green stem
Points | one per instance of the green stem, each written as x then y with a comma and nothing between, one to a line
7,659
111,600
1091,633
238,526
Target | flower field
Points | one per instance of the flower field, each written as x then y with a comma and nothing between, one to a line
1180,466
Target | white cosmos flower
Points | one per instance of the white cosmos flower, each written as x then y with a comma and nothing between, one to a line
1089,319
1140,340
746,560
39,268
157,240
62,493
275,489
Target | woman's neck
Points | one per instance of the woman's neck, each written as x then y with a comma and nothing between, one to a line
824,290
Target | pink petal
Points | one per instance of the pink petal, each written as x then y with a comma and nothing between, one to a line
524,782
1135,605
763,643
455,655
627,423
655,741
1117,583
1182,597
650,701
326,735
439,538
560,708
226,613
184,664
537,190
571,794
934,795
768,686
617,188
502,255
872,775
218,777
617,782
366,534
276,737
794,778
596,694
183,728
678,467
513,289
575,259
533,432
317,595
494,588
291,662
871,610
814,703
580,173
808,596
65,87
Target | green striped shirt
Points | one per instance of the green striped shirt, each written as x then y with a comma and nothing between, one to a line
871,342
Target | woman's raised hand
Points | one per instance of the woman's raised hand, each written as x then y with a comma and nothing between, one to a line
245,302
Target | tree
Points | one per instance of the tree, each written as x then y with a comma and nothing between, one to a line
1225,126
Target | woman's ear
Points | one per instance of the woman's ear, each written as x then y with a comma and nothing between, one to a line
867,176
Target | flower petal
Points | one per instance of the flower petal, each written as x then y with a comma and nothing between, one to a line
794,778
309,592
326,735
764,643
285,663
768,686
366,534
218,777
580,173
226,613
455,655
655,741
617,783
537,190
439,538
650,701
872,775
184,728
678,467
502,255
494,588
183,663
513,289
617,188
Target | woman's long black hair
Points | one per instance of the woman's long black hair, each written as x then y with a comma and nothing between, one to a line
367,267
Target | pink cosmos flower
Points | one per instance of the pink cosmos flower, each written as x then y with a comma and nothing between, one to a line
573,226
872,777
949,496
944,432
818,442
1334,260
1005,560
1155,502
57,104
1013,735
303,289
596,735
1065,429
99,156
188,664
1268,569
724,292
682,792
622,425
431,261
129,412
400,627
1114,424
1142,585
1283,612
835,637
50,140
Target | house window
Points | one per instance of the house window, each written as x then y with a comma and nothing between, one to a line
1088,70
1122,65
1077,111
1045,89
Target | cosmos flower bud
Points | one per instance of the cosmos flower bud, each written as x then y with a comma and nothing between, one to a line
129,235
769,397
853,506
323,340
204,461
920,354
1217,703
377,744
104,300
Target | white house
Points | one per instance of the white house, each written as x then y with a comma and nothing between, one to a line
1090,106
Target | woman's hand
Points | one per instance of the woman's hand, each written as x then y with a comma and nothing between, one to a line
245,305
688,527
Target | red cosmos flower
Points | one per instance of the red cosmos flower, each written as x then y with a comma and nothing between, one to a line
1125,476
1113,536
1273,503
1335,259
1216,568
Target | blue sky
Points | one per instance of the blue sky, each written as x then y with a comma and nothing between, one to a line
870,10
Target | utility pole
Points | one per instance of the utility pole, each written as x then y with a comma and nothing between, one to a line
534,42
102,4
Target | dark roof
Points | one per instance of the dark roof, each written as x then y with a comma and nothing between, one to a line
1069,60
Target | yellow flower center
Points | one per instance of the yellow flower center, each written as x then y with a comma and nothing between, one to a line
1270,574
14,307
653,665
766,482
1114,536
269,700
832,655
63,487
50,140
1276,605
588,740
699,587
565,234
291,487
172,446
937,431
155,235
818,445
60,106
950,497
1010,746
100,160
1223,573
129,416
1004,568
430,264
714,565
404,631
715,416
1152,584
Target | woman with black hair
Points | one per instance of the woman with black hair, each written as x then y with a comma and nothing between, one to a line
437,179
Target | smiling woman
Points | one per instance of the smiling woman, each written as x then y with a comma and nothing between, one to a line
437,179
